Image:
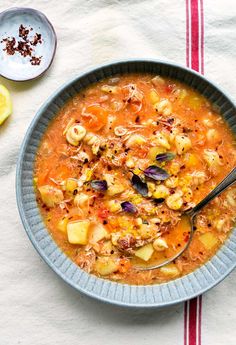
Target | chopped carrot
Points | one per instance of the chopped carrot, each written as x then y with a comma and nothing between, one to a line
98,118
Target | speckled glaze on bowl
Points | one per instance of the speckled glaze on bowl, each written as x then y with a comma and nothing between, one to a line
15,67
159,295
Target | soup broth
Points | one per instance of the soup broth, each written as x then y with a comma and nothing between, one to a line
120,164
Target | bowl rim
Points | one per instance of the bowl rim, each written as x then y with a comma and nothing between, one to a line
45,19
23,217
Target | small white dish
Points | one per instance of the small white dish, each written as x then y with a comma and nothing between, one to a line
16,67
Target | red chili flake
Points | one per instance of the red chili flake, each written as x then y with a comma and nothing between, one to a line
35,60
103,213
23,32
24,49
186,238
23,46
170,87
9,45
37,39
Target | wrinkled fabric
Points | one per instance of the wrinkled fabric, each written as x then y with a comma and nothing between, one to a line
37,307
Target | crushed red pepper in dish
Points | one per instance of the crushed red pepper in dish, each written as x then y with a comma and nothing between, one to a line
120,164
23,45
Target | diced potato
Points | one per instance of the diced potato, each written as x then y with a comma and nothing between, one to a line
154,97
157,80
135,140
175,201
161,139
106,265
114,206
161,191
209,240
50,195
154,151
160,244
212,158
163,107
182,143
170,270
77,231
98,233
106,248
71,184
172,182
212,135
195,102
62,224
81,200
145,252
115,190
182,95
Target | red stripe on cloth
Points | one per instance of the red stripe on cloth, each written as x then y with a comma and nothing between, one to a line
187,33
185,322
192,335
195,60
199,320
202,36
194,35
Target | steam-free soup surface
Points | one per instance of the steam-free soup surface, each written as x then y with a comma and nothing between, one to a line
120,164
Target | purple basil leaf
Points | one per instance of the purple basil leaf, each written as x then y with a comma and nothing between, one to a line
156,173
139,185
99,185
128,207
165,157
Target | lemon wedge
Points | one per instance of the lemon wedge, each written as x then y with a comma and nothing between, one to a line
5,104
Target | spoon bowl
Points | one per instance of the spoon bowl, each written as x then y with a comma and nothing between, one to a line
187,223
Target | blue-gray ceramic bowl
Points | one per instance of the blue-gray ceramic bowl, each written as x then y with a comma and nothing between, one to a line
159,295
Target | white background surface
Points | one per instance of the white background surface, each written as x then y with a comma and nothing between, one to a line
36,307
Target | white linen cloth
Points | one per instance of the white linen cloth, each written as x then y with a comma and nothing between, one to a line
37,307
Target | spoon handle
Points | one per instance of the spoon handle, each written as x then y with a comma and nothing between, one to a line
227,182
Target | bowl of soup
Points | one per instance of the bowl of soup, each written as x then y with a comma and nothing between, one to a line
106,170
